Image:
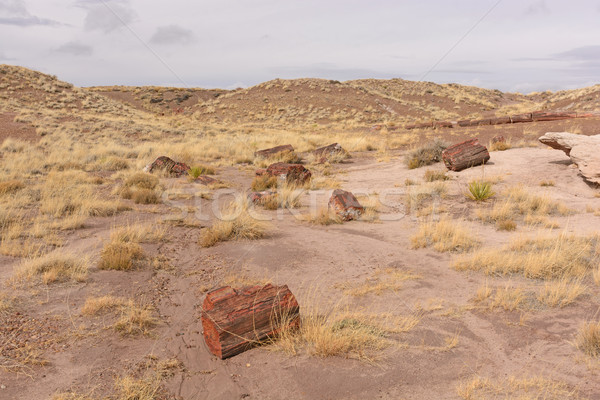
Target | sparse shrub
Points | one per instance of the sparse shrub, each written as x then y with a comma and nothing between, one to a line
53,267
506,225
116,164
198,170
588,339
444,235
142,180
145,196
263,182
135,319
323,217
546,183
432,175
235,223
479,190
426,155
499,146
120,255
99,305
561,293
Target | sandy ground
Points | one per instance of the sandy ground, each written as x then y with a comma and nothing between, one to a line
493,344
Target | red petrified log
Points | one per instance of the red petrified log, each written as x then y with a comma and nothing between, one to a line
234,320
266,153
521,118
292,173
258,197
323,153
500,121
205,180
464,122
442,124
170,166
345,205
465,155
552,116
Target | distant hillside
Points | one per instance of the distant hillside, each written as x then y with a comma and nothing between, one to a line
302,102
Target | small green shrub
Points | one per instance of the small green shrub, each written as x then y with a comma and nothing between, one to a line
198,170
480,190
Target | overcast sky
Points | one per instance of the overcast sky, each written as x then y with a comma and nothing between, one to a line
512,45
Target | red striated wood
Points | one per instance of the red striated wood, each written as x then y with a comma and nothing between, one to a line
259,197
521,118
500,121
234,320
464,122
552,116
260,172
345,205
292,173
465,155
206,180
442,124
266,153
410,126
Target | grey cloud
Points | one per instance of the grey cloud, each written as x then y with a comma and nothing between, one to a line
14,12
585,53
107,17
172,34
75,48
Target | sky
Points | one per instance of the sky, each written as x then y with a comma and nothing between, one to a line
511,45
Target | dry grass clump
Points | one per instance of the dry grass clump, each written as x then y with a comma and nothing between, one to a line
145,196
263,182
287,196
235,223
444,235
526,388
138,233
588,339
371,206
433,175
383,280
499,146
120,256
142,180
508,298
101,305
141,188
418,196
561,292
342,333
545,258
323,216
426,155
520,202
135,319
51,268
11,186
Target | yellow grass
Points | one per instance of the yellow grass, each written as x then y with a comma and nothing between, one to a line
135,319
120,255
543,258
383,280
235,223
524,388
588,339
51,268
562,292
103,304
323,216
138,233
508,298
263,182
11,186
444,235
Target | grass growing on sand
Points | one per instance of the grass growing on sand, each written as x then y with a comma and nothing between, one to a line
120,255
542,258
236,222
323,216
51,268
588,339
536,387
426,155
444,235
383,280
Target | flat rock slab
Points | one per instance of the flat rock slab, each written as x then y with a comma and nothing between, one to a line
235,320
168,165
465,155
266,153
291,173
583,150
345,205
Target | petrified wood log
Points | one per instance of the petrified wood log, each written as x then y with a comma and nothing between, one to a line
292,173
234,320
442,124
500,121
206,180
465,155
266,153
258,197
521,118
170,166
464,122
323,153
345,205
552,116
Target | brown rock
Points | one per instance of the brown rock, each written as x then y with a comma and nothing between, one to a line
465,155
442,124
206,180
166,164
292,173
323,153
266,153
345,205
234,320
498,139
258,197
260,172
464,122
